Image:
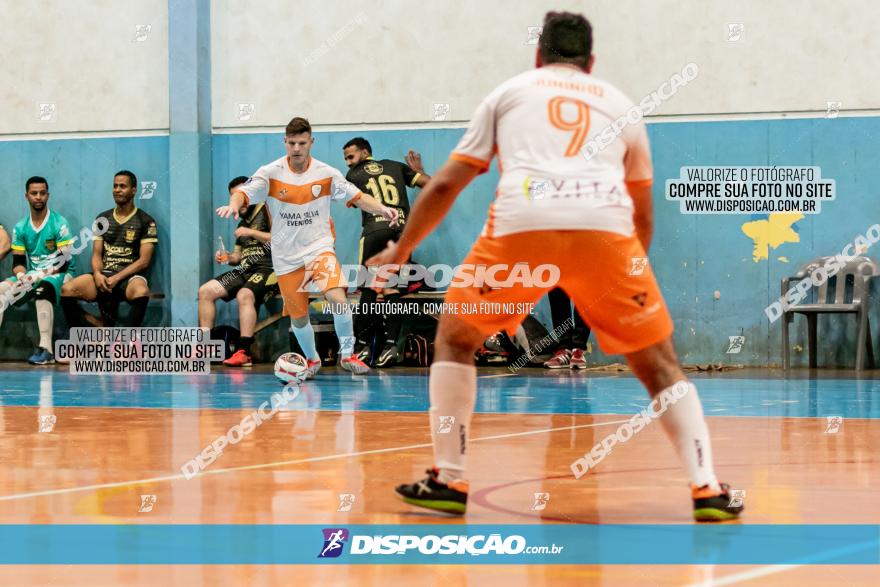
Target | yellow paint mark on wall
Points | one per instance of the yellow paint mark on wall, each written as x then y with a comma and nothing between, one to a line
772,232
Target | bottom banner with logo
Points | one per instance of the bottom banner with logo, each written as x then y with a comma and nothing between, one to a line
439,544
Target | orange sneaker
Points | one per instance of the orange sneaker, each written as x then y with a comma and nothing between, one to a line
239,358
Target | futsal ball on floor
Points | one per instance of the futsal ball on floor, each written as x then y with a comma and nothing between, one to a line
291,368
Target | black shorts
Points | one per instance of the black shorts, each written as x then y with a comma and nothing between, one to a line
260,280
375,242
119,291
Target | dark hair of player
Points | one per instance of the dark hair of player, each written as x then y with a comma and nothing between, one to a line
297,126
360,143
238,181
35,179
132,178
566,38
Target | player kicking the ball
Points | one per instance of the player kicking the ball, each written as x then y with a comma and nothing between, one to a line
297,190
556,206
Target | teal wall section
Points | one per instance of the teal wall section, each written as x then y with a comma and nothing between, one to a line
80,174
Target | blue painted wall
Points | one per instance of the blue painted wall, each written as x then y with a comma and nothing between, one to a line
80,174
693,255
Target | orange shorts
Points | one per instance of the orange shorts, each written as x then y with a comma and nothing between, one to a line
605,274
323,272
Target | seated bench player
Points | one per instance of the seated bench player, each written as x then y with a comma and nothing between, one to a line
38,272
252,283
121,258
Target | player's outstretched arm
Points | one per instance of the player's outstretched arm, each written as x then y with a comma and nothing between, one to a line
371,205
236,201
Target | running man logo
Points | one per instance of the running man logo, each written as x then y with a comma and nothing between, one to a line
46,112
147,503
246,112
141,32
638,265
148,189
735,31
833,108
440,112
833,425
334,541
540,502
346,501
737,496
534,34
536,189
446,424
339,190
735,344
47,422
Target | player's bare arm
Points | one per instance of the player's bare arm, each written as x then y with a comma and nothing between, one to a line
142,263
643,211
19,264
414,160
53,269
236,200
371,205
234,257
98,266
430,209
243,231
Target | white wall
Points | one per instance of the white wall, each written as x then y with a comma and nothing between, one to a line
82,56
391,60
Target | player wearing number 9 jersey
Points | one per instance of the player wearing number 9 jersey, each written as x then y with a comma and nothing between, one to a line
588,215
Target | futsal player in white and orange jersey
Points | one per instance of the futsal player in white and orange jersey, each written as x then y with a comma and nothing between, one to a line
588,215
297,190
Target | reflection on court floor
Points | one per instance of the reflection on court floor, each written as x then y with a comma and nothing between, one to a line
109,450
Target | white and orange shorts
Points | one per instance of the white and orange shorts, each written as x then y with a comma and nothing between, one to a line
605,274
322,272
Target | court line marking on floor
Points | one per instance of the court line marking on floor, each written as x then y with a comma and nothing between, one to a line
774,569
745,576
164,478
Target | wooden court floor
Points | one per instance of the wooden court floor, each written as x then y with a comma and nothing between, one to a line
116,439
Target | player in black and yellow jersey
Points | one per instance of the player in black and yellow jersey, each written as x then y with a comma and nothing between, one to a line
386,180
121,259
251,283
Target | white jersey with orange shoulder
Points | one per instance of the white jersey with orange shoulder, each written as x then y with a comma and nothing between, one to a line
538,124
299,205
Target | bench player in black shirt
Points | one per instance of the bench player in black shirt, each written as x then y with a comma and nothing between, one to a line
251,283
121,258
385,180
